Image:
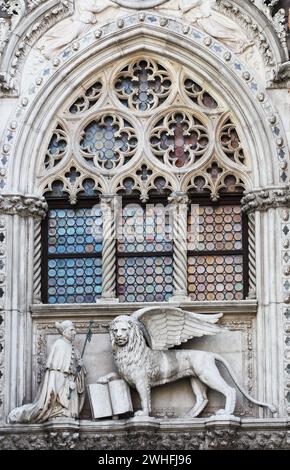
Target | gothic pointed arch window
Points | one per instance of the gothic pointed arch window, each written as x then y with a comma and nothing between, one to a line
154,128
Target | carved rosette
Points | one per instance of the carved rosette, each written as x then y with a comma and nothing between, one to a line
267,198
23,205
179,205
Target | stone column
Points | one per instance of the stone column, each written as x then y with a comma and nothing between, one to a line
179,210
268,206
252,255
109,207
19,214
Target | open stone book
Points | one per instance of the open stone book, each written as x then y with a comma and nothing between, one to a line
110,399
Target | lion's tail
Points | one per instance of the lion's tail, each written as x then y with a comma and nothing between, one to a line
219,358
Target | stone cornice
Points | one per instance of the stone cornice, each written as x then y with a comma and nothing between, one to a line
266,198
23,205
110,310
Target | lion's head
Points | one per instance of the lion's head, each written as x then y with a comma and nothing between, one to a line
127,341
120,330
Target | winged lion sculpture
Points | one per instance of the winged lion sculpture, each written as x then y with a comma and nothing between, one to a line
140,345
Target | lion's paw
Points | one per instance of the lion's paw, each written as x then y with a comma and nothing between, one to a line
102,380
223,412
141,413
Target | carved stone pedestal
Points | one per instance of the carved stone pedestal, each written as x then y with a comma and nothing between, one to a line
150,434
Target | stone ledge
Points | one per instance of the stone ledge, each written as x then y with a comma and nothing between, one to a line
48,311
150,434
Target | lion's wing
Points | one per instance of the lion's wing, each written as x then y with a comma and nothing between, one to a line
170,326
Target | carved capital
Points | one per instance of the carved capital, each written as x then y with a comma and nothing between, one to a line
178,198
23,205
109,205
266,198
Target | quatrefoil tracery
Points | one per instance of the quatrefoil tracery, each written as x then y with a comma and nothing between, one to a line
108,142
179,139
143,85
96,132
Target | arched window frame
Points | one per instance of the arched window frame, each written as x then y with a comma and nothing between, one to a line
158,168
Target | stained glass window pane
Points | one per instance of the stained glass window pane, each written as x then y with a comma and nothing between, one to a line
217,228
75,231
215,277
215,257
74,280
145,232
145,279
74,255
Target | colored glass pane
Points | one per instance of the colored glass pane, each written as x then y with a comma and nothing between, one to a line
74,280
74,255
212,273
75,231
215,277
145,279
148,276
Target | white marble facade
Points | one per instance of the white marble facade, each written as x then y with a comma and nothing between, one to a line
51,53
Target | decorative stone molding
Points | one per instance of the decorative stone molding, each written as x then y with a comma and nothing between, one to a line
266,198
25,35
278,19
3,235
23,205
242,16
11,12
285,253
283,74
140,5
31,4
153,434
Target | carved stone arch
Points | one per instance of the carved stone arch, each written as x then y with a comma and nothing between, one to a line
41,15
251,107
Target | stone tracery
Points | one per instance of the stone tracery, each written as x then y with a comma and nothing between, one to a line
173,143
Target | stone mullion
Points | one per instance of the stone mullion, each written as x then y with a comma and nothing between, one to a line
108,207
37,247
252,255
179,209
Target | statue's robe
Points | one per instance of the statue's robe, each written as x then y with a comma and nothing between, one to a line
61,393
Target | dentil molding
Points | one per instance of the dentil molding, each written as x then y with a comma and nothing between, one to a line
23,205
266,198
